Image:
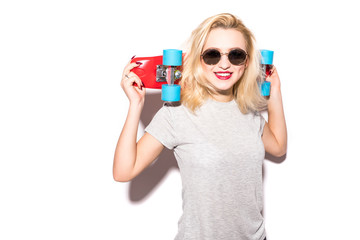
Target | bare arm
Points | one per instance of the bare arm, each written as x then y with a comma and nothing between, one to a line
132,157
275,132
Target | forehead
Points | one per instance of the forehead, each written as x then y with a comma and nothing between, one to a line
225,39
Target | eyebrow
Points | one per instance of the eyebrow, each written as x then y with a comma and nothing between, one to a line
222,51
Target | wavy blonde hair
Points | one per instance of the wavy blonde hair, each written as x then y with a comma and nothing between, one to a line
195,87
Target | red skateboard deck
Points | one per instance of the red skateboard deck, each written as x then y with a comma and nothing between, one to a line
147,71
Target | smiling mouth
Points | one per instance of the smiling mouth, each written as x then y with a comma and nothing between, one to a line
223,75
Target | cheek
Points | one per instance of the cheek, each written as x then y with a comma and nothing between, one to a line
241,71
207,69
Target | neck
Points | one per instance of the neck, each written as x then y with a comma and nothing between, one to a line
222,98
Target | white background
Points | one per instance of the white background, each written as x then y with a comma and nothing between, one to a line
62,110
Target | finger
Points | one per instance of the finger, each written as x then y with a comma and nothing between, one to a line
127,80
273,70
130,66
132,79
273,76
132,58
137,82
127,77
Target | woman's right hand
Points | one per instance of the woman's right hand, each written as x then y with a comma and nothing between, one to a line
135,94
132,156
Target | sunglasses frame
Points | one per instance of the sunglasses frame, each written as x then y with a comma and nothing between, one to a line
227,54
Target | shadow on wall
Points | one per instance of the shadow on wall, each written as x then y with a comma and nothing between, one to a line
273,159
141,186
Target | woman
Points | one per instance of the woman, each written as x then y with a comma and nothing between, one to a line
217,134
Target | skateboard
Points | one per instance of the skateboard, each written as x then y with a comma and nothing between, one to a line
266,65
161,72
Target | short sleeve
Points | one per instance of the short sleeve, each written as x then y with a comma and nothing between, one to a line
262,124
259,122
161,127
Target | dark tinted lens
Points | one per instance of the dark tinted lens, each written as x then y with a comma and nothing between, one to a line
211,57
237,56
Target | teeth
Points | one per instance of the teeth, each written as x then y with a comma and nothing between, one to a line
223,74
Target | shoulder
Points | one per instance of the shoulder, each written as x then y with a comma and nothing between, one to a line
170,111
172,107
259,120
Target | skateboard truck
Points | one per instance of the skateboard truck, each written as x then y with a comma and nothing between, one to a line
266,66
172,58
161,72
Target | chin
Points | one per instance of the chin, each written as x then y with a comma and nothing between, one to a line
225,85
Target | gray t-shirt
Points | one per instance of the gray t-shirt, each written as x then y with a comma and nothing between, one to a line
220,155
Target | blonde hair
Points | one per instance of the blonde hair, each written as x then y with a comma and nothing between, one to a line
195,87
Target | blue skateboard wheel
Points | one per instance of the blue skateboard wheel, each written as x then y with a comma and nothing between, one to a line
267,56
265,89
170,93
172,57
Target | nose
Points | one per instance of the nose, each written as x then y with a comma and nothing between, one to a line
224,62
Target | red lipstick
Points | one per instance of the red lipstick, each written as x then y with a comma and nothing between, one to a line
223,75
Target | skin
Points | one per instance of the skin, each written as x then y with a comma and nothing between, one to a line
132,157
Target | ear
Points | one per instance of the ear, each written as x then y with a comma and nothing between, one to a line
247,62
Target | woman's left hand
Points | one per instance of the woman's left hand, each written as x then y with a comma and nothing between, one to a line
275,81
275,133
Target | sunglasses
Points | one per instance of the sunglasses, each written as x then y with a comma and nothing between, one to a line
236,56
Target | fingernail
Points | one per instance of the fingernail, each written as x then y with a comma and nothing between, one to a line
133,57
139,63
